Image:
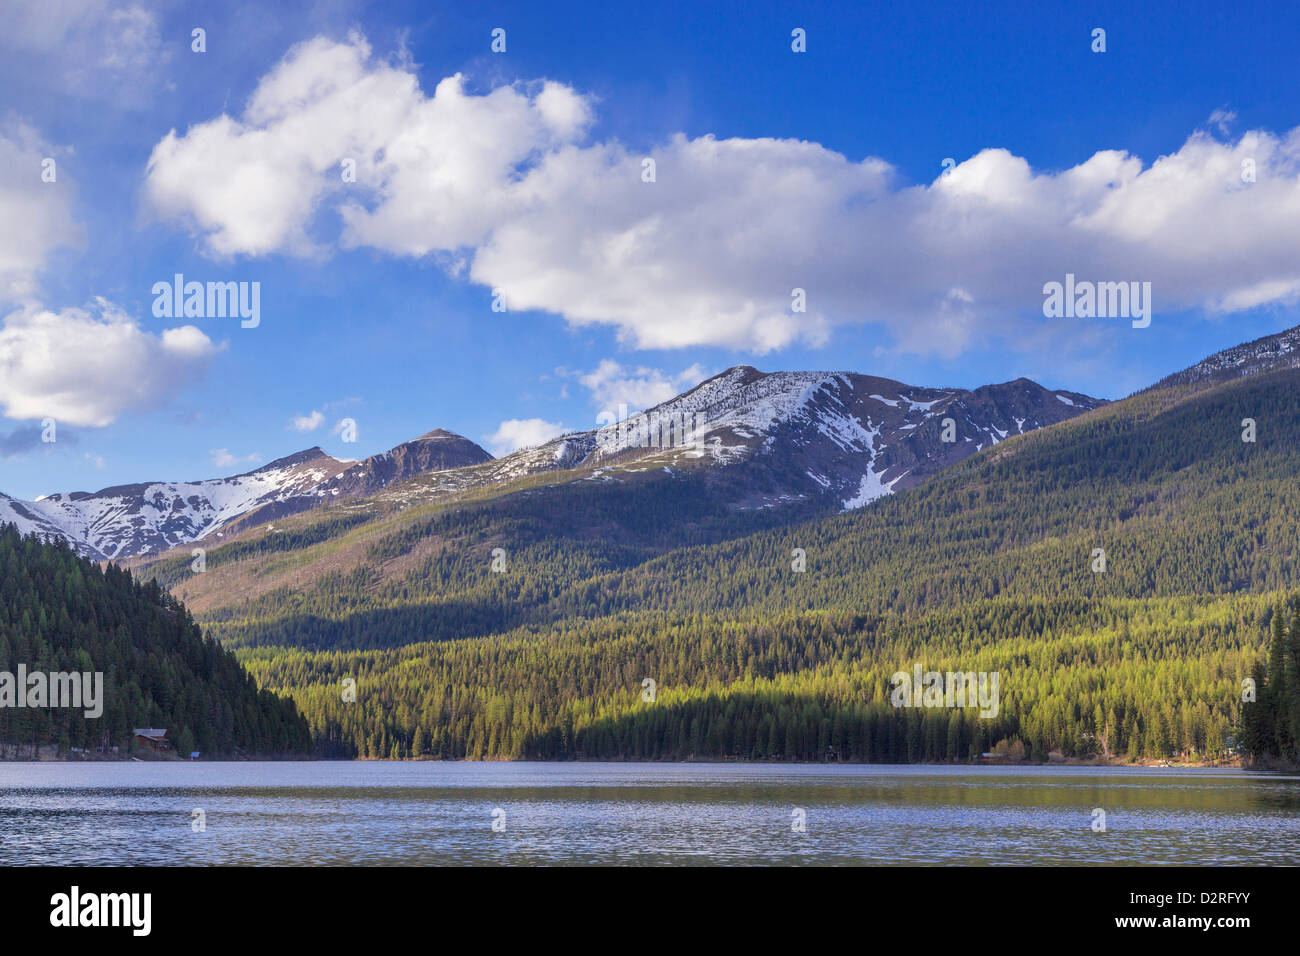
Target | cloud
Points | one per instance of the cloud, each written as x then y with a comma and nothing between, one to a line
21,440
519,433
1222,120
88,366
27,438
434,172
316,417
37,214
222,458
612,384
505,188
91,48
307,423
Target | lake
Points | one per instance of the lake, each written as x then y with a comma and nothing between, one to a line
379,813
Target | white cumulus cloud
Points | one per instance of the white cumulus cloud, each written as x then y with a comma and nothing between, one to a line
613,384
222,458
431,173
506,188
37,214
516,433
88,366
307,423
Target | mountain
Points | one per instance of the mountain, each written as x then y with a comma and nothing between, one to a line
1278,351
777,639
136,519
431,453
772,449
129,520
435,451
840,439
837,435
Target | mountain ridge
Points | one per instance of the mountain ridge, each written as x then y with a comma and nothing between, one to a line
833,422
1266,353
991,566
123,521
812,435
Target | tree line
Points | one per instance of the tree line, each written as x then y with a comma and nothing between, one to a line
60,612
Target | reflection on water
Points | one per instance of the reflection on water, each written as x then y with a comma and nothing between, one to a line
566,813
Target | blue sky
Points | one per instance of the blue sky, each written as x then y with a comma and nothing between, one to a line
376,300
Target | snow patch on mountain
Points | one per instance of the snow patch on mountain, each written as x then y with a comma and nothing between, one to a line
871,488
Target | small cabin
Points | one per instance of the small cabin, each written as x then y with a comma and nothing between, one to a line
153,737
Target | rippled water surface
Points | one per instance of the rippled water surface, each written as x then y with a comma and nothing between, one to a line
571,813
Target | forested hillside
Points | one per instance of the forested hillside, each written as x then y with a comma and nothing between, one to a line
1119,571
1270,719
990,567
62,613
1116,678
347,578
1161,482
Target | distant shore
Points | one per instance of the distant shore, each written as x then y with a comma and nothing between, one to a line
50,753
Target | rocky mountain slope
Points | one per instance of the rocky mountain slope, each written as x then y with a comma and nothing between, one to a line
839,437
1278,351
130,520
765,640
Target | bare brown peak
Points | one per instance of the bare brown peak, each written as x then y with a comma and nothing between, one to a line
441,434
1020,384
452,442
435,450
315,453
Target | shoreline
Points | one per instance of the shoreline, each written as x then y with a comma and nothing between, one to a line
1147,764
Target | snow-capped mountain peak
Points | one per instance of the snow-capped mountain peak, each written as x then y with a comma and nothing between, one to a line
794,435
767,438
129,520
